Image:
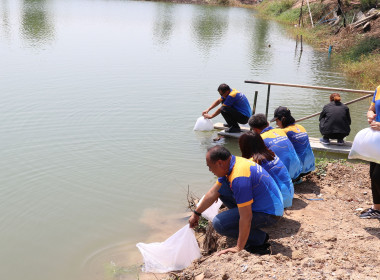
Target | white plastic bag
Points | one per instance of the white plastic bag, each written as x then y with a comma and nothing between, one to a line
175,253
366,145
203,124
212,211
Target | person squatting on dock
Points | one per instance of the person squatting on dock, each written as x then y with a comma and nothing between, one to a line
252,196
334,121
299,138
276,140
235,108
373,117
252,147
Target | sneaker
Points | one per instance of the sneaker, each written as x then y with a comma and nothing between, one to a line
264,249
297,181
340,142
370,214
324,141
226,125
233,129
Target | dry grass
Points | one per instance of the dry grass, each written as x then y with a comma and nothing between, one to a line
365,72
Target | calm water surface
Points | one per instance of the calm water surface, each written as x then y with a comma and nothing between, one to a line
99,99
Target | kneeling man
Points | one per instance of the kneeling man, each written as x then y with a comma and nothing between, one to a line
252,196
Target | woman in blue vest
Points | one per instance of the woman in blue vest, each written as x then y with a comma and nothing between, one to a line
373,117
252,147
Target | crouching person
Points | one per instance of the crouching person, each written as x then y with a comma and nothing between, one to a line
252,196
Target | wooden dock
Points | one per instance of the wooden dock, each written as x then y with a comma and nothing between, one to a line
314,142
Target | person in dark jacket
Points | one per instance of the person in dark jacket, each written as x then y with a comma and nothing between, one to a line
334,121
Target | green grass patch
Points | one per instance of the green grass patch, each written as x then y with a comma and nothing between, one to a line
276,8
322,163
363,48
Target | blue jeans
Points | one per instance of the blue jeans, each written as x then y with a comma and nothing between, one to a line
227,222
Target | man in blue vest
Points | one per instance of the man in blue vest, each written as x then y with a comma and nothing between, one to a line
235,108
252,196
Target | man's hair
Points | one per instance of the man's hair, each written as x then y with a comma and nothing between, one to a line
223,88
218,153
258,121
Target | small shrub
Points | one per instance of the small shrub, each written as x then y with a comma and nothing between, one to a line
368,4
363,48
276,8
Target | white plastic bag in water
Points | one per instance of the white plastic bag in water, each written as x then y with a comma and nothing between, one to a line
366,145
203,124
212,211
175,253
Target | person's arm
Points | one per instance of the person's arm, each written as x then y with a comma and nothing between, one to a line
244,230
217,112
213,105
348,116
210,197
323,113
371,114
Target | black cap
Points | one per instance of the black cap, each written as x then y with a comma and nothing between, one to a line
280,112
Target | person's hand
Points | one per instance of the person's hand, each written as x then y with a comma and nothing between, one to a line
371,116
193,221
375,125
232,250
207,116
205,112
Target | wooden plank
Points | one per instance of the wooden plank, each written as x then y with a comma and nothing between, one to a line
220,126
314,142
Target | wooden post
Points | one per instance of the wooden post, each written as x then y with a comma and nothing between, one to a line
268,94
299,20
311,18
254,103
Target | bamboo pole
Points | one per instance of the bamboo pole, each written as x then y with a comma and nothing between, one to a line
311,87
311,18
347,103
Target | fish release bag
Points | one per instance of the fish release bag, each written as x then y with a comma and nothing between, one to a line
366,145
212,211
203,124
175,253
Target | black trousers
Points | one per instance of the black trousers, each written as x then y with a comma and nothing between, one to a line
233,117
374,173
335,135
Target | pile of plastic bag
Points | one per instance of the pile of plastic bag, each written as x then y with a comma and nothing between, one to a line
203,124
366,145
175,253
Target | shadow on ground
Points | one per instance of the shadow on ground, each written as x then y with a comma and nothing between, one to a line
373,231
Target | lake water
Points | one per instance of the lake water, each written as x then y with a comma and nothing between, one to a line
99,99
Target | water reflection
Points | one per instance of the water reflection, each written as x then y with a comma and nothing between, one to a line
5,18
261,54
163,23
37,26
208,27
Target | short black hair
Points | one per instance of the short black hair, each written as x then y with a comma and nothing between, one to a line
223,88
218,153
258,121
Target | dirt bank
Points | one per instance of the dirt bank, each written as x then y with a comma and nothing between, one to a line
316,239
